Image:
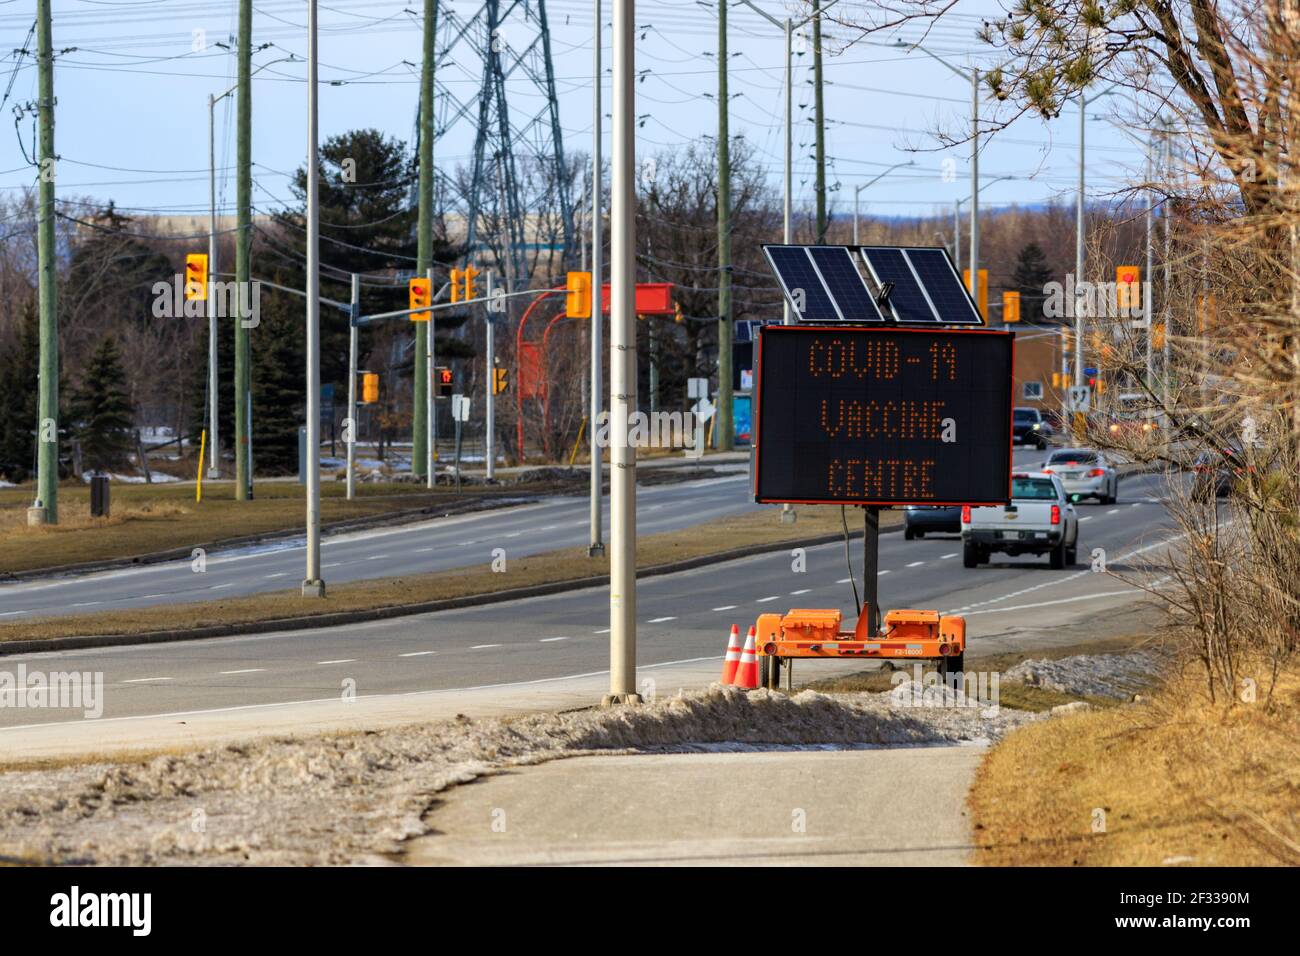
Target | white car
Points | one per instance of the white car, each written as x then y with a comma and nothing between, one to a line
1085,473
1039,520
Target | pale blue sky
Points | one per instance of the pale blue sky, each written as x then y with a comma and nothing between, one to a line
132,115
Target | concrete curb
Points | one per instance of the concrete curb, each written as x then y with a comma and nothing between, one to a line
11,648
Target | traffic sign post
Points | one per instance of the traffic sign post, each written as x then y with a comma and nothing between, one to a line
460,415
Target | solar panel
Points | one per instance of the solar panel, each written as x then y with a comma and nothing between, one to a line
946,290
842,278
907,299
802,285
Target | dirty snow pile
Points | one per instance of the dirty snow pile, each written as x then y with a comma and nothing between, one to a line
354,798
1118,676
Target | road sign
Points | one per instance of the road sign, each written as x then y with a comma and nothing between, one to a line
697,388
460,407
872,416
704,409
1080,398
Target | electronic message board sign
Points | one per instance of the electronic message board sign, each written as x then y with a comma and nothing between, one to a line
883,416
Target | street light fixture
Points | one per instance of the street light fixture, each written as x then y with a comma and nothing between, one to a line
956,217
857,191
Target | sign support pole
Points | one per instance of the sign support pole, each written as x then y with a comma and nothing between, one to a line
871,569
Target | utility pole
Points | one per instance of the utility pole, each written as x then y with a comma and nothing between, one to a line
214,438
1147,284
312,585
243,254
819,117
596,544
47,428
1078,250
421,453
725,438
975,183
623,367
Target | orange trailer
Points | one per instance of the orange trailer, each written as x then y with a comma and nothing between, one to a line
816,633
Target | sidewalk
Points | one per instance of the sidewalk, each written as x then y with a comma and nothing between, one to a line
897,807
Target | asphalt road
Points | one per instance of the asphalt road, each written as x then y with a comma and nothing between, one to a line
683,617
437,544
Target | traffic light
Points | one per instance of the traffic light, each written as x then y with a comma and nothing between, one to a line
471,290
369,388
1010,306
196,276
577,304
420,297
500,380
443,381
456,277
1128,292
677,313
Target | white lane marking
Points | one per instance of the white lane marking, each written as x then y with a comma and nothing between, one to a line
1086,518
144,680
1113,511
246,670
423,550
278,574
726,607
376,557
1135,504
514,534
332,564
548,640
886,571
844,581
603,630
945,557
800,591
218,587
1069,600
549,527
916,564
774,597
660,620
87,603
344,660
149,597
11,613
482,647
416,654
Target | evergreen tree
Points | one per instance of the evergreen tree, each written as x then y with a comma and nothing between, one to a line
1030,277
279,374
100,412
19,365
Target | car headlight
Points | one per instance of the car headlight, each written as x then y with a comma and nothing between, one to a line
1035,426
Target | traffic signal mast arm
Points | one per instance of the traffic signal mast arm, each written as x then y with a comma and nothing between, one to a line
406,313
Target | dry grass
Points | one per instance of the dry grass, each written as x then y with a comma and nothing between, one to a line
1179,780
561,565
146,519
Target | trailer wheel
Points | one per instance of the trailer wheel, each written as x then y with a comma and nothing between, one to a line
952,665
770,676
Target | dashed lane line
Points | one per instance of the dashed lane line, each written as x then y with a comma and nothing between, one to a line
344,660
246,670
416,654
660,620
726,607
549,640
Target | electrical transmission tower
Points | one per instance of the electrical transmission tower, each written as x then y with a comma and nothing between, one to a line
516,187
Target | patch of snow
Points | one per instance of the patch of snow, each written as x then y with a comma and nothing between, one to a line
1117,676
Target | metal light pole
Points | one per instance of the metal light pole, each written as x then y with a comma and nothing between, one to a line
1079,236
596,545
353,335
214,457
430,409
974,76
857,191
489,401
312,585
623,367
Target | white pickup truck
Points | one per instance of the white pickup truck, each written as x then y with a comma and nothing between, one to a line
1039,520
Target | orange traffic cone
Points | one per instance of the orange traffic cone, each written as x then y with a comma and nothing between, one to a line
747,673
732,660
